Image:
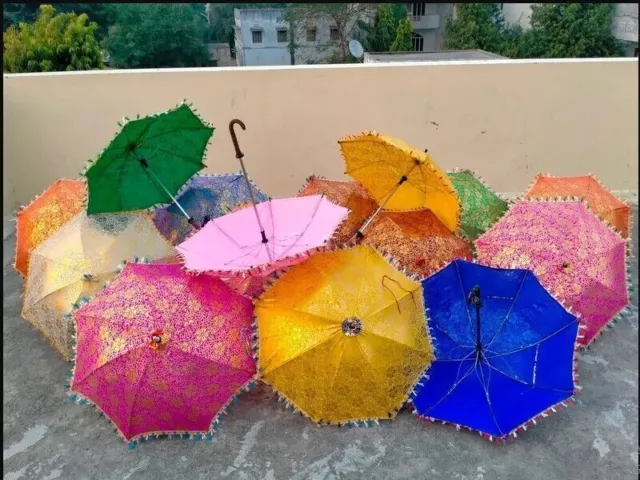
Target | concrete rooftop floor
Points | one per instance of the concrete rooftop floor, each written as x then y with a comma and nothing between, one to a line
45,437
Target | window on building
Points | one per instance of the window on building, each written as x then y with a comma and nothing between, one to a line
256,36
418,10
311,34
417,41
333,34
635,52
282,36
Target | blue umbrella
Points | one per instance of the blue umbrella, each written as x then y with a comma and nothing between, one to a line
504,350
204,197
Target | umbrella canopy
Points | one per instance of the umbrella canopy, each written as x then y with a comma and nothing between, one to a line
570,250
505,350
231,245
388,166
36,222
76,261
162,352
343,336
148,161
606,205
481,207
350,195
418,241
204,197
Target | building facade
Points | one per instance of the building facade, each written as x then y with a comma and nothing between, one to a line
428,20
624,25
262,38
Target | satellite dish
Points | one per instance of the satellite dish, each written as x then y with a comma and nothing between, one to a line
356,49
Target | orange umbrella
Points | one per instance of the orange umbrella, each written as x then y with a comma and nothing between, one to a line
350,195
417,240
606,205
59,203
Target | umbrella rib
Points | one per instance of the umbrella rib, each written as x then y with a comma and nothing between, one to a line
515,379
515,299
533,344
471,328
304,352
209,360
485,387
137,390
369,332
174,130
183,157
299,236
453,387
372,371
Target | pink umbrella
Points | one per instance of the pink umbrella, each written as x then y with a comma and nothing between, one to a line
162,352
573,254
289,229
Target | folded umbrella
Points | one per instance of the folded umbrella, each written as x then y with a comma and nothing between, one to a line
480,206
77,260
148,162
231,245
343,337
59,203
570,250
160,352
350,195
418,241
400,178
606,205
505,351
204,197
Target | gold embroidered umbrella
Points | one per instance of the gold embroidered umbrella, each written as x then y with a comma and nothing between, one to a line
76,261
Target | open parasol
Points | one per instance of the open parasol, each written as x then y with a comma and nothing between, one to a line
343,337
204,197
36,222
606,205
350,195
399,178
505,351
417,240
160,352
148,161
77,260
570,250
480,206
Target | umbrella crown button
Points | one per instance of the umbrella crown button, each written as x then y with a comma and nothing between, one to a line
351,326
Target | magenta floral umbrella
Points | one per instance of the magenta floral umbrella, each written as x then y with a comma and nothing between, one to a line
573,254
160,352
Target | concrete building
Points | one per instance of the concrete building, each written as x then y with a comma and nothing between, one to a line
262,38
438,56
428,21
220,54
624,25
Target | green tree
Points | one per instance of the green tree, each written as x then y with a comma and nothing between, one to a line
476,26
561,30
54,42
379,35
344,18
404,34
156,35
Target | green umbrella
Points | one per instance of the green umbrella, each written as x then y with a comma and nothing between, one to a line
148,161
480,206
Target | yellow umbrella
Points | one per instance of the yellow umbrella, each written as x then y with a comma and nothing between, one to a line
343,337
76,261
400,178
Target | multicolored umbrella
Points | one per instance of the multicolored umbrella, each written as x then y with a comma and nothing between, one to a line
572,253
160,352
148,161
231,245
400,178
36,222
343,337
350,195
606,205
76,261
204,197
505,351
418,241
481,207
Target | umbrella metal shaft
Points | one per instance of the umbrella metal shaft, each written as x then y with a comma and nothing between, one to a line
359,233
145,165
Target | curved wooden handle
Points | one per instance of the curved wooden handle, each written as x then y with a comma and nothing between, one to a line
234,138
